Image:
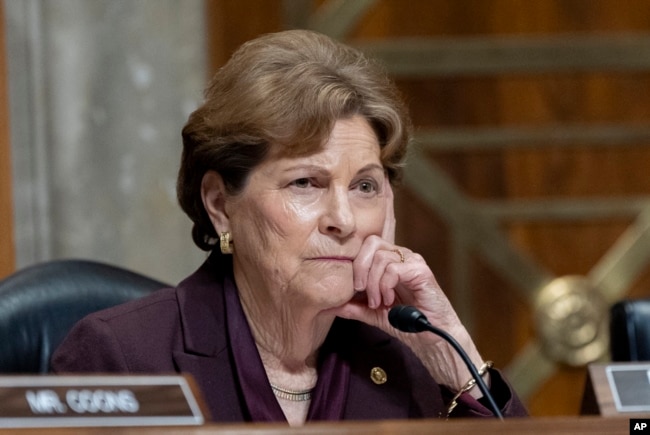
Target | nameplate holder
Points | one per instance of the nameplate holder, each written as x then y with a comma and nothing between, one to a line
98,401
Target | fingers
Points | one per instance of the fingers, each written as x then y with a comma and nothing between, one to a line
383,277
386,275
377,271
364,260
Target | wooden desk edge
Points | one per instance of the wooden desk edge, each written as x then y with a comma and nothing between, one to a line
531,425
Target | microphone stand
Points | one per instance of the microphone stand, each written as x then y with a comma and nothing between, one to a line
400,314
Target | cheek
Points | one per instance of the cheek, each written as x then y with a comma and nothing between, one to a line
375,225
253,228
270,225
301,212
370,220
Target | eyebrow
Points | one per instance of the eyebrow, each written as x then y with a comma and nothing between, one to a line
368,168
300,167
371,167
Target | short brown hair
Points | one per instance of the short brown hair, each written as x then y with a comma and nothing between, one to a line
283,90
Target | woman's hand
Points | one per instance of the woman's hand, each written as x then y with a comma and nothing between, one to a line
386,275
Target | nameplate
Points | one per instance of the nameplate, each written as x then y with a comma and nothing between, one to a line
97,400
630,386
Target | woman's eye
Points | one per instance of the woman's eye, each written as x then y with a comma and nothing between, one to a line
302,183
367,187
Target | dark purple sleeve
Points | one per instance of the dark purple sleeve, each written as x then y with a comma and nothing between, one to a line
503,394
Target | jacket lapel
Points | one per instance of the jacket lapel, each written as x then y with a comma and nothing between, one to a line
213,377
206,356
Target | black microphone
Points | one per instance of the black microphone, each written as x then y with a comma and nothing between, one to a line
409,319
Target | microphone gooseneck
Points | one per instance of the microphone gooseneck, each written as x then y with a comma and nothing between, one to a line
409,319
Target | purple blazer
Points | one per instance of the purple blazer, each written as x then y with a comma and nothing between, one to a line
183,330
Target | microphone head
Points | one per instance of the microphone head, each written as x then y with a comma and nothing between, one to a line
407,319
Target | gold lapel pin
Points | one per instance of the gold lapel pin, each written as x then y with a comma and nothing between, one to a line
378,375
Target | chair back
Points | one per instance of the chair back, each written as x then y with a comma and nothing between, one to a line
41,303
630,330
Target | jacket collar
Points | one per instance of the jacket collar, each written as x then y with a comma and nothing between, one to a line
201,305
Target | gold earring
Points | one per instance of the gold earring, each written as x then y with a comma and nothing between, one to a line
225,243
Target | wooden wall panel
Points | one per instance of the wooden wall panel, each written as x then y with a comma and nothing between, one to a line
503,323
7,253
230,23
479,17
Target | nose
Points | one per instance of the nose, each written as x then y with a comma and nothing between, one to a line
338,217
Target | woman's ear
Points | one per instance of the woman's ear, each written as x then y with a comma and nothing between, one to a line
213,194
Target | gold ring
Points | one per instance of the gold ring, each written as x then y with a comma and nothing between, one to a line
401,255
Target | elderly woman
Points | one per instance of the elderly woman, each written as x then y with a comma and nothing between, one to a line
287,173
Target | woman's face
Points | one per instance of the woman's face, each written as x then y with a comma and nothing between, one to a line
300,221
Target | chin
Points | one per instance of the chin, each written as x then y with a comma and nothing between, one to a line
338,302
332,296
